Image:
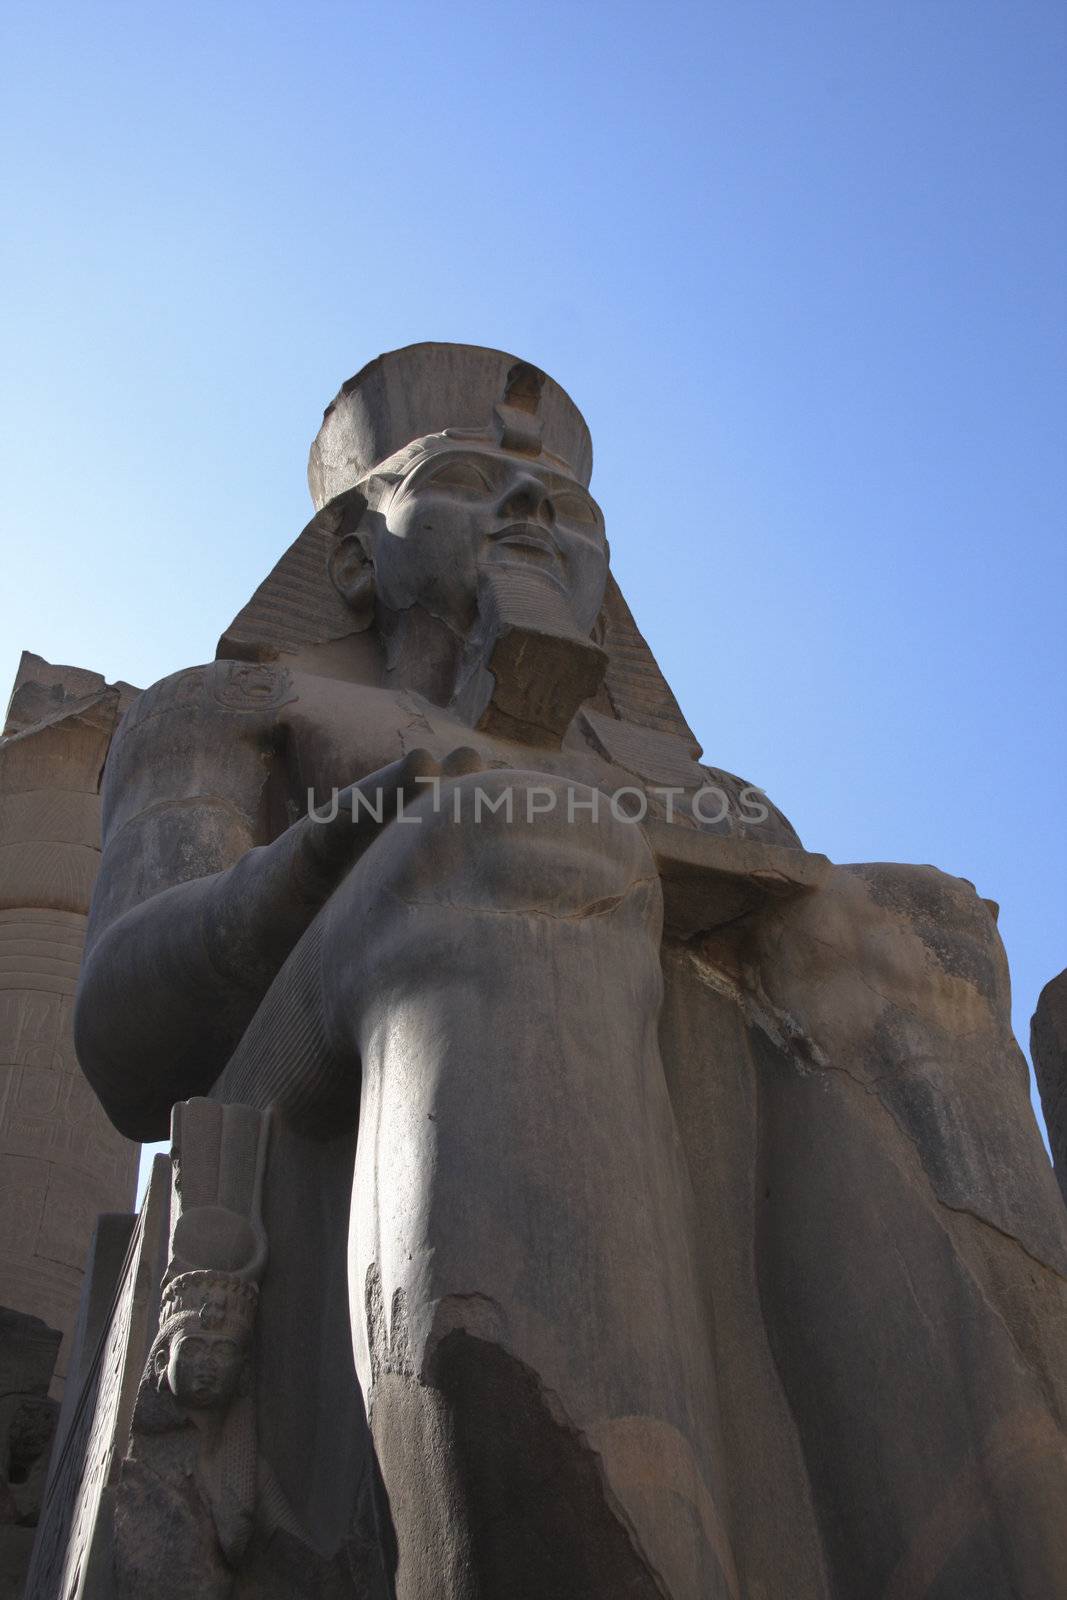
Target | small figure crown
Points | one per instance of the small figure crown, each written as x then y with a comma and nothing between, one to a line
209,1300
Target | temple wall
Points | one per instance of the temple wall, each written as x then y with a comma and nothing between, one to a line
61,1162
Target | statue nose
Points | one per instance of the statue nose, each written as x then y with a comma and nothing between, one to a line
529,500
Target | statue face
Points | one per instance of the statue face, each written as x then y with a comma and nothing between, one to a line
203,1368
463,509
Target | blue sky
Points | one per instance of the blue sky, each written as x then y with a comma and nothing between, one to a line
801,264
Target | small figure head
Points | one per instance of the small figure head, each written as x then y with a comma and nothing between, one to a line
201,1369
205,1333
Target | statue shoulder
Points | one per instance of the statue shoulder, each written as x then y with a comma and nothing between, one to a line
252,691
206,734
752,813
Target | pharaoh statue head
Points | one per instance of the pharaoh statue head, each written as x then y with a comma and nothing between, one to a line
464,461
205,1334
453,513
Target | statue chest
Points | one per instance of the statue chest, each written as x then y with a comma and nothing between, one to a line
333,733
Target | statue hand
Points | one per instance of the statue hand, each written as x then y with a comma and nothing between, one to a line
260,906
461,761
329,848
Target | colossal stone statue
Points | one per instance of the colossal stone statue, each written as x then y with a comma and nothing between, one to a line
653,1208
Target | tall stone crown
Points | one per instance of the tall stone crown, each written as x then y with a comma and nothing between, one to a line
425,389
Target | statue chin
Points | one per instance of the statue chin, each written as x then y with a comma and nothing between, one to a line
205,1396
526,670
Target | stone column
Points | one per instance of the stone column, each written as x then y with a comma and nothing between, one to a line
61,1162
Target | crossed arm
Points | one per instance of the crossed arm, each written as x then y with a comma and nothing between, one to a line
192,918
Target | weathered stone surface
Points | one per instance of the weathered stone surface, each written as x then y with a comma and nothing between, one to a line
654,1207
16,1547
43,691
103,1271
28,1350
1048,1047
61,1163
72,1555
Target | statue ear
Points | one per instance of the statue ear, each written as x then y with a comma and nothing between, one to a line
352,575
160,1359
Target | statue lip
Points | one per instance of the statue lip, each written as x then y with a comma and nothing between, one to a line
529,536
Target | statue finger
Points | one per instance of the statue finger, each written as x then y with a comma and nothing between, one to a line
461,761
417,763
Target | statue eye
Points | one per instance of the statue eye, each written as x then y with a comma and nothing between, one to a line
576,508
460,475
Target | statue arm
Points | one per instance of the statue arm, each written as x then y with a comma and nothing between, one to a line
193,913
